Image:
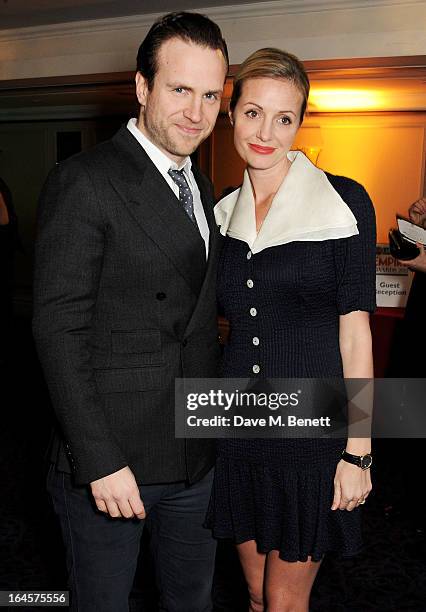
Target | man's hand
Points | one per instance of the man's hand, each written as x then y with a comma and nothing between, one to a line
118,495
419,263
417,212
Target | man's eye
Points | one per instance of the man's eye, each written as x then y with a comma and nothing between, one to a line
179,89
211,96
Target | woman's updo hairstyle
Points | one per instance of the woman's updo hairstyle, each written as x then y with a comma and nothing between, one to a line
273,64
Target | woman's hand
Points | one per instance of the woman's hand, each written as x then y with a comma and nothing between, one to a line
352,486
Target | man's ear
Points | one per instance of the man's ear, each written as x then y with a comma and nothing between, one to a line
141,88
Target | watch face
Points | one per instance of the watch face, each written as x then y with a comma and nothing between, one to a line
366,461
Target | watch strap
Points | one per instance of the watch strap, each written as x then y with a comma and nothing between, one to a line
362,461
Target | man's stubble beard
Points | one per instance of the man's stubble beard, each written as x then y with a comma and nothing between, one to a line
157,133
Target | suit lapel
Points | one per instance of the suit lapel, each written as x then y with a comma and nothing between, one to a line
210,273
157,211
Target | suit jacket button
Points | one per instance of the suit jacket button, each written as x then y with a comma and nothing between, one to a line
160,296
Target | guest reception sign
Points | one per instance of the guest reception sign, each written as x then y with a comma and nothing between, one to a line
393,280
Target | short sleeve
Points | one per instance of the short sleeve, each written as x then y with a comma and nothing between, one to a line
355,257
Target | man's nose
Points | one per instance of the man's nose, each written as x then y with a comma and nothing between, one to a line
193,110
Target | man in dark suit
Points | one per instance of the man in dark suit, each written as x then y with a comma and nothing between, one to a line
124,302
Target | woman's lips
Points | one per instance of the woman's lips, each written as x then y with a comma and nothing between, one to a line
262,150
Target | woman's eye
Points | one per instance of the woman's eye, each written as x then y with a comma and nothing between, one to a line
252,114
284,120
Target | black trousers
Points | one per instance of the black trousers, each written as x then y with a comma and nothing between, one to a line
102,552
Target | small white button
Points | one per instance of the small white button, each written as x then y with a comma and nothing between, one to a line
249,255
250,283
253,312
256,368
256,341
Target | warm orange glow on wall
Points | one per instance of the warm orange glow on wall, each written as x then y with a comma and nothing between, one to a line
340,99
383,153
359,95
311,153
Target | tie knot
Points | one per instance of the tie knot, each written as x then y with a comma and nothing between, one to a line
177,176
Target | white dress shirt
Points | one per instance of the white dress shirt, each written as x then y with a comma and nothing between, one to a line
163,165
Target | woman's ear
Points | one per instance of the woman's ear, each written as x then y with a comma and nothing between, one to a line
231,117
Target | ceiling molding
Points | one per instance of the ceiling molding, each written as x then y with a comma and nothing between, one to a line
222,13
284,7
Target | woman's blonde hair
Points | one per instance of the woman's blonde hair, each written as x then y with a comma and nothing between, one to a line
274,64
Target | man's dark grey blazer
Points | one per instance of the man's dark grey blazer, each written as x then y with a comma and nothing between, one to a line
124,302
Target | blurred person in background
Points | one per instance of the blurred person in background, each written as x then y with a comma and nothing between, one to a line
408,361
8,245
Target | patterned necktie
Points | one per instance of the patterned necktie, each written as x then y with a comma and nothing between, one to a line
185,194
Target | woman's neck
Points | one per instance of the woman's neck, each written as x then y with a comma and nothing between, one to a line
266,182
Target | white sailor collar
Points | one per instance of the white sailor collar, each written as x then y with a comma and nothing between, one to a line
305,208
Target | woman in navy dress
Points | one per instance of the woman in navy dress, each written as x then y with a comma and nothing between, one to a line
297,283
